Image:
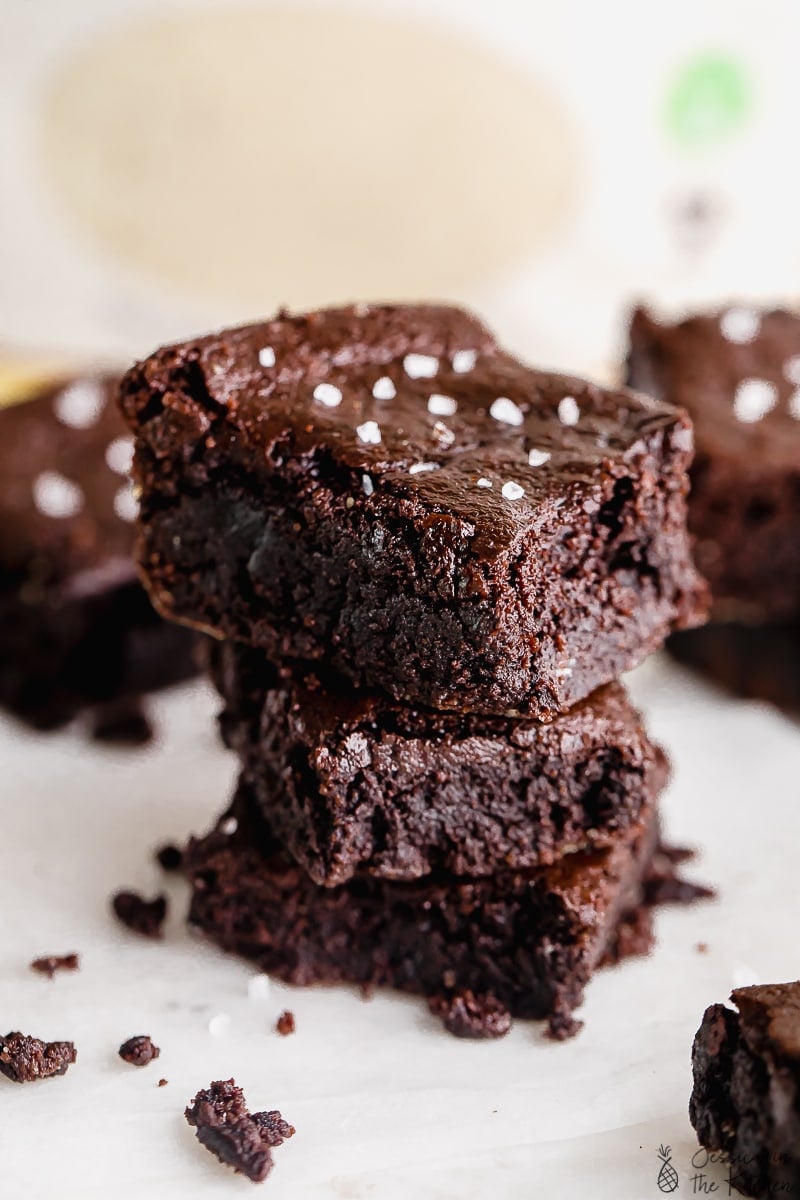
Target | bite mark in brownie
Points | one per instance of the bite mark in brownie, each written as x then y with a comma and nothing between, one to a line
51,963
530,938
466,1015
237,1137
509,557
357,782
737,372
24,1059
145,917
76,627
746,1097
139,1050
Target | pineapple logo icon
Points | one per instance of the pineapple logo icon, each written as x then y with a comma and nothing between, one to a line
667,1176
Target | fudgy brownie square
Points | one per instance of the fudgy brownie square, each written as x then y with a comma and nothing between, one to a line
756,662
737,372
528,939
385,489
746,1097
355,782
76,626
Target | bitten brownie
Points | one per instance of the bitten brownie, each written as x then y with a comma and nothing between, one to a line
354,782
76,626
530,939
737,372
385,489
746,1097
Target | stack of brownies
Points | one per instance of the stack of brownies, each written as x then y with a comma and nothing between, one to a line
425,565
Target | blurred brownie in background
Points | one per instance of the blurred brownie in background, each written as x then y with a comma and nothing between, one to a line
737,372
77,630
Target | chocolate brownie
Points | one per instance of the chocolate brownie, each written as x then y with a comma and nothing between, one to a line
757,662
384,489
139,1050
737,372
746,1097
76,626
237,1137
355,782
531,938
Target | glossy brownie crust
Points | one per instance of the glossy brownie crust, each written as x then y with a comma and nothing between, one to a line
490,538
530,939
757,662
746,1097
357,783
76,626
745,500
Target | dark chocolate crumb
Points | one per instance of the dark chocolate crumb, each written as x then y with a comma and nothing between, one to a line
50,963
163,1082
145,917
139,1051
563,1025
169,857
285,1023
23,1059
238,1138
702,947
467,1015
122,722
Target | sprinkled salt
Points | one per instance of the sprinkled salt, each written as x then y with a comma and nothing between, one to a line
512,491
220,1023
228,826
537,458
794,405
420,366
349,502
464,360
328,394
119,455
568,411
369,433
384,389
441,406
367,485
483,482
56,496
443,433
258,987
507,411
418,468
791,369
740,325
266,357
80,404
126,505
754,398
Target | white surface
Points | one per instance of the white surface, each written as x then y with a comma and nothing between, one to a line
386,1105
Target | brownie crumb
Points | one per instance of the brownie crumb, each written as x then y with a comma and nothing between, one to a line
663,885
563,1025
23,1059
50,963
169,857
467,1015
139,1051
285,1023
145,917
163,1082
634,937
238,1138
123,723
702,947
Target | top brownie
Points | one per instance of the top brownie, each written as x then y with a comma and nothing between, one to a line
737,372
386,489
